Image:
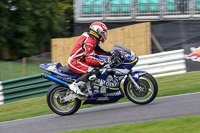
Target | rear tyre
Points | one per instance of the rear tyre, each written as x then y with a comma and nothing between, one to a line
146,94
54,95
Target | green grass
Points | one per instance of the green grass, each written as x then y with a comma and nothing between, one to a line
15,69
169,85
188,124
11,70
2,61
179,84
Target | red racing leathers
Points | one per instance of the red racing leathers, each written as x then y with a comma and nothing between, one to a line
82,55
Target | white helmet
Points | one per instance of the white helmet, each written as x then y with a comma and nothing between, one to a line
99,30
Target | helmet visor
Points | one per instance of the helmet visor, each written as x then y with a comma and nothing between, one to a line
104,35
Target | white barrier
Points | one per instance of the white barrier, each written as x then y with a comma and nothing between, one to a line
162,64
1,94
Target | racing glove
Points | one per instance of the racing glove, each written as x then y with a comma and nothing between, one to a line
109,53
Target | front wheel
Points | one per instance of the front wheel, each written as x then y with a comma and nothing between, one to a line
55,103
147,92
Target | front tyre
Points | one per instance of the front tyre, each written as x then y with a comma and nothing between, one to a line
54,96
147,92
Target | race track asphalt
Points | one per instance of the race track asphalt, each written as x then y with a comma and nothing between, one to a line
160,108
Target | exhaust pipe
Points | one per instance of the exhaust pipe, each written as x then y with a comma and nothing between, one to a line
54,79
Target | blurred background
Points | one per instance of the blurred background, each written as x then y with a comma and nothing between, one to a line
27,27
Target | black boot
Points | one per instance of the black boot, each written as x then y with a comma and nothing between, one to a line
85,77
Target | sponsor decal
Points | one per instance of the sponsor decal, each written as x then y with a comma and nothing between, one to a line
194,55
103,89
89,44
113,83
102,98
96,91
109,78
137,76
127,55
133,58
117,93
51,68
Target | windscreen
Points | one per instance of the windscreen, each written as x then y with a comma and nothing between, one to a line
120,47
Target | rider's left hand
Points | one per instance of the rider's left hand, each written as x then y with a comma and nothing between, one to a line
109,53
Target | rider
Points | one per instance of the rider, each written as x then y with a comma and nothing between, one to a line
82,56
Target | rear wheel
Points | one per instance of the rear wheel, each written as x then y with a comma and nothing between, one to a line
54,99
147,92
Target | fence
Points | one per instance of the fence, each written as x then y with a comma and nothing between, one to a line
135,37
24,67
126,10
163,64
160,64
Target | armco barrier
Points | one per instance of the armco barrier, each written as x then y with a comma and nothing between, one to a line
23,88
159,64
163,64
1,94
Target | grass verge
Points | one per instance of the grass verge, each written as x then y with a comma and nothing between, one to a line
189,124
169,85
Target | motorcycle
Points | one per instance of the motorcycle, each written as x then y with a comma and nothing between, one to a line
117,80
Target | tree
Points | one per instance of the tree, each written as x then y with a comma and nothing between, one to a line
4,11
31,24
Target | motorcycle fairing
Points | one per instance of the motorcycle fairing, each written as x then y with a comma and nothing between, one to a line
137,74
105,98
53,68
106,91
130,60
107,82
101,56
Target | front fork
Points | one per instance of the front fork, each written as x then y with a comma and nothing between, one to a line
134,76
133,81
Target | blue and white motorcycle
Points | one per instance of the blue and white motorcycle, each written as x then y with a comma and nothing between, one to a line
117,79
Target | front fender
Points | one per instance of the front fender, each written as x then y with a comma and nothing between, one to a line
135,75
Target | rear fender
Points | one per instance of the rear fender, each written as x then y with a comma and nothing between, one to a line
135,75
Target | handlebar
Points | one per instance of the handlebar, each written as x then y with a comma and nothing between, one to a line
116,58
